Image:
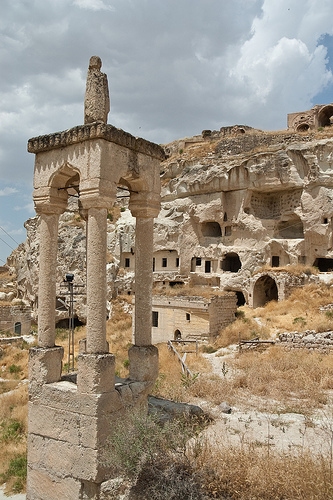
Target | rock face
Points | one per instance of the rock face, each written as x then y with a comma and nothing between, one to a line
232,202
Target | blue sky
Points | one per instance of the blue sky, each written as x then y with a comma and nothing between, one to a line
175,67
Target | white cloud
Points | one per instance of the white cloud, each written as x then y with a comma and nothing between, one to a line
92,5
7,191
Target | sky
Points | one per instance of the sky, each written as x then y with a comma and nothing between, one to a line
175,68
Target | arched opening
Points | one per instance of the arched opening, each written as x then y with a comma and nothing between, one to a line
290,229
303,127
17,328
264,291
177,335
240,298
211,229
231,262
324,116
324,265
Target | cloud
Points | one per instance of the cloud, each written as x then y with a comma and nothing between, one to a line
92,5
7,191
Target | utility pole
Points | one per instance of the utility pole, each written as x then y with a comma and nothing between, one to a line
68,283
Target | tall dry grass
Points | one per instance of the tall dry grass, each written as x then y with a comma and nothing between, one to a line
250,473
13,411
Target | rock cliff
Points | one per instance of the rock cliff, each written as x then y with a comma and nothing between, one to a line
232,202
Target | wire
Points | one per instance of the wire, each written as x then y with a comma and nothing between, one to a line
9,235
8,245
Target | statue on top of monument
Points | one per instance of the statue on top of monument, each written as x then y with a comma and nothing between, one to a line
96,101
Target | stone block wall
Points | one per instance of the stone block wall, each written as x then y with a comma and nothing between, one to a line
221,312
13,314
309,339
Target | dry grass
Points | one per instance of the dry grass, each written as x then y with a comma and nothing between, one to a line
119,333
250,473
13,411
245,328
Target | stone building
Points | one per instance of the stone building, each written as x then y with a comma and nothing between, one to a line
191,318
15,319
320,115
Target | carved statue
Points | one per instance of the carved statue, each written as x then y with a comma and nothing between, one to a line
96,101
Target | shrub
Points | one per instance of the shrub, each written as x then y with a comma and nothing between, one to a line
154,458
14,369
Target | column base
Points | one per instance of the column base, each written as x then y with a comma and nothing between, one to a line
143,363
45,364
96,373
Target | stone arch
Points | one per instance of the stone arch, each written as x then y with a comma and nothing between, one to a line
177,335
303,127
231,262
325,115
265,290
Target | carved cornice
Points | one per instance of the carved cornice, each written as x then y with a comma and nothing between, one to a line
91,131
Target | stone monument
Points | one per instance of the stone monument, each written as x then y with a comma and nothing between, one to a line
70,421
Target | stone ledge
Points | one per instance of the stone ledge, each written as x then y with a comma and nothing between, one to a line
91,131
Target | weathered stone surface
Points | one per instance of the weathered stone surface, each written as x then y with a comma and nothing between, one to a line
167,410
143,363
96,101
96,373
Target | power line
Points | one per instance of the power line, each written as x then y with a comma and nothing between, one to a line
8,245
9,235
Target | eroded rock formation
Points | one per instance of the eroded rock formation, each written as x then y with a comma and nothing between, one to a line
232,202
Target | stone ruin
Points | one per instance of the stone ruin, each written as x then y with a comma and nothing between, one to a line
69,420
319,116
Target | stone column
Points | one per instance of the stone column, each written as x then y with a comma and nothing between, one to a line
96,280
47,278
143,280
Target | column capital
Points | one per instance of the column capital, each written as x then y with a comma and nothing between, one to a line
146,205
49,200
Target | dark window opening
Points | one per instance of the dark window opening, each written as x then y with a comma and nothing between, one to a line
291,229
240,298
177,261
211,229
153,263
275,261
207,266
175,283
325,220
63,323
178,335
155,319
127,262
164,262
188,317
227,231
225,217
231,262
324,265
17,328
198,261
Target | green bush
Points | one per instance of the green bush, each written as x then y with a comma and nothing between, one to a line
11,430
14,369
17,469
154,458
